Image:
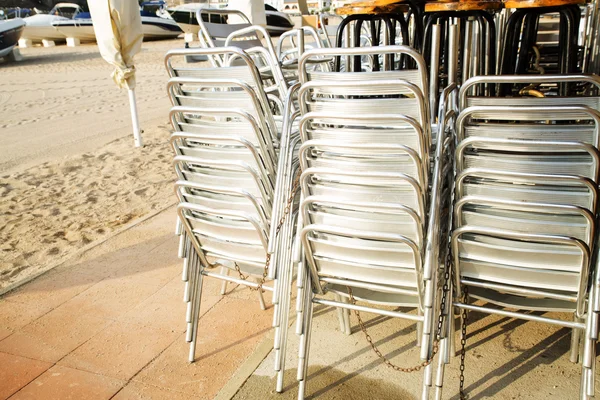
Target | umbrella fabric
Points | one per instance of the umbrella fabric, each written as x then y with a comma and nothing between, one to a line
118,28
253,9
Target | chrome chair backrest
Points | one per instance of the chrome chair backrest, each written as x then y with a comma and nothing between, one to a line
368,199
592,82
526,203
535,157
215,27
569,123
416,76
378,129
225,86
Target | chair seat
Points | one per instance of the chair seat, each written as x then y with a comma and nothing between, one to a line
540,3
521,303
441,6
372,9
376,297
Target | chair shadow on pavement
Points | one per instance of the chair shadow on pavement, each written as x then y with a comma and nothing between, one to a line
148,259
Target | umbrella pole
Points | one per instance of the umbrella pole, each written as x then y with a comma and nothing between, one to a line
137,136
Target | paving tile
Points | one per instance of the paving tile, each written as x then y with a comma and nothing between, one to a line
14,316
53,336
110,298
165,309
133,259
140,391
5,332
228,334
16,372
120,351
62,383
52,289
158,266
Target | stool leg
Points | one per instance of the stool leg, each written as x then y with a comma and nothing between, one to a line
434,72
389,36
490,49
426,41
357,29
509,46
467,47
375,38
418,18
527,42
338,41
405,38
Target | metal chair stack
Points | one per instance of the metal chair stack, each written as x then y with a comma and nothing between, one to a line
278,64
367,211
525,211
226,144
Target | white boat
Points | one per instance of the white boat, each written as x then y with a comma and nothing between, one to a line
185,16
79,27
277,22
159,28
39,27
10,32
156,21
153,27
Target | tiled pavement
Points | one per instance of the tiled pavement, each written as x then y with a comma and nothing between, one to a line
111,325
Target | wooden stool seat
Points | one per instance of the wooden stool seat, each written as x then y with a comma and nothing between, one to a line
540,3
373,7
469,5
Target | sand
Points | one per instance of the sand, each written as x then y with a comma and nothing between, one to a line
69,174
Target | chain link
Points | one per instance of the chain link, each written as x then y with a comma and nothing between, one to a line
463,344
286,211
436,342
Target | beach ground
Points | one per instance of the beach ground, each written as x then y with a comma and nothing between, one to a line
69,173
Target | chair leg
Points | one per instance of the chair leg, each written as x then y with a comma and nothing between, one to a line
196,311
224,271
575,340
346,315
439,379
419,329
261,298
340,314
304,350
190,294
287,298
427,381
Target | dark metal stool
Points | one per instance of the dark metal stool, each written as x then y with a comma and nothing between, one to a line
521,34
468,12
380,14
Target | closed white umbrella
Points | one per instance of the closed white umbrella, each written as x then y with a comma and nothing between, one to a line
253,9
118,28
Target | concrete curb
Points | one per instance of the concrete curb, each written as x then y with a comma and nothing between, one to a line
85,249
245,371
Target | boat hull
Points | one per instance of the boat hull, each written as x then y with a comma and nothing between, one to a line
10,33
277,22
154,28
159,28
82,30
39,27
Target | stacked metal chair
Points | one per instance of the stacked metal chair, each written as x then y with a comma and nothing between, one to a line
227,157
370,205
525,211
276,63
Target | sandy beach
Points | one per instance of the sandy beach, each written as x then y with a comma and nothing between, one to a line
69,174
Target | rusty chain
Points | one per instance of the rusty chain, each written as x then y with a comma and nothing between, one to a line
436,342
286,211
463,345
